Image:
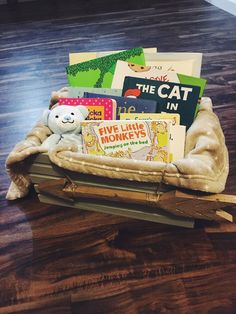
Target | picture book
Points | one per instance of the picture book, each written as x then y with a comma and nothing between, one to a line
137,139
187,63
174,117
78,57
177,142
128,104
99,72
177,132
170,97
75,92
124,69
99,108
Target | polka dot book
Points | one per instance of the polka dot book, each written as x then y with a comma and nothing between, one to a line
99,108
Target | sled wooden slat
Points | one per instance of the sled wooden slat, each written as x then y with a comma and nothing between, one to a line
134,211
67,187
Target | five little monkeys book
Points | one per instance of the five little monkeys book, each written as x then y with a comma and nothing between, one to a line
131,139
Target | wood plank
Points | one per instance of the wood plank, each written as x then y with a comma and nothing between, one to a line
175,202
136,212
38,171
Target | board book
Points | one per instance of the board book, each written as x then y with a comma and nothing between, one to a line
99,72
140,140
128,104
170,97
99,108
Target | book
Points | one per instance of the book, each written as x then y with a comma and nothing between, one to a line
177,132
128,104
75,92
78,57
124,69
133,139
187,63
170,97
174,117
177,142
99,72
99,108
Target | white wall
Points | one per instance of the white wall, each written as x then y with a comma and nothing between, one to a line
227,5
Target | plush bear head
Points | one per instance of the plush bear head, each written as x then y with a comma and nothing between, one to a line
65,119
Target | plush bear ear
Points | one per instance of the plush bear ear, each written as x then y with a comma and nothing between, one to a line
54,99
45,116
84,111
63,92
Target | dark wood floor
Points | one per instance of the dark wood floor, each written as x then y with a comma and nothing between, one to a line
61,260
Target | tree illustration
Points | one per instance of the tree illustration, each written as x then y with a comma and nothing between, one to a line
104,64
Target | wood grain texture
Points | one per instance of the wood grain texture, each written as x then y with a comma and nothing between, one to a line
61,260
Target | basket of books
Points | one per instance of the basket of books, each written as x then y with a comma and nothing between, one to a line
132,135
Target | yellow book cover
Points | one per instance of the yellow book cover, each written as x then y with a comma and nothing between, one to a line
188,63
177,133
174,117
78,57
133,139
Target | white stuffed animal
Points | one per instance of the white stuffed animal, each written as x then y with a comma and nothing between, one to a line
65,123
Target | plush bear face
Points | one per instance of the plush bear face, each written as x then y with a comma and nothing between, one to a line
65,119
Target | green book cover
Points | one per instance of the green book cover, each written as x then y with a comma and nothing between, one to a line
99,72
170,97
192,80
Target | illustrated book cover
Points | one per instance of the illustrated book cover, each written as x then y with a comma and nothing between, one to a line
128,104
99,108
188,63
124,69
78,57
139,139
170,97
99,72
177,133
174,117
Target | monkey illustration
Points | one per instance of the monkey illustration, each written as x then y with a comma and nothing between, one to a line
159,140
92,145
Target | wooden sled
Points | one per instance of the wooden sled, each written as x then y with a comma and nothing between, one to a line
159,203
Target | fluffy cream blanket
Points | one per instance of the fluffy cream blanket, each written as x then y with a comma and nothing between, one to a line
205,165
